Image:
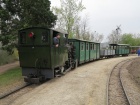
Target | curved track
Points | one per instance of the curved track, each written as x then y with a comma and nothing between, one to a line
116,93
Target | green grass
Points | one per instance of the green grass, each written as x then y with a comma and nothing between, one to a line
11,76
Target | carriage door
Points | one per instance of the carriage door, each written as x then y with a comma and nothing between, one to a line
87,51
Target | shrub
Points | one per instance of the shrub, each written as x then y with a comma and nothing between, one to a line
5,58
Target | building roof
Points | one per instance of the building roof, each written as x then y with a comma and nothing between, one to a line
120,44
44,28
83,40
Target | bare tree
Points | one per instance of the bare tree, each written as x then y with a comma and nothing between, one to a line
82,29
77,31
115,36
91,36
68,14
96,37
85,29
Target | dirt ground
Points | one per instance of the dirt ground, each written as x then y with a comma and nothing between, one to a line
87,85
8,66
134,70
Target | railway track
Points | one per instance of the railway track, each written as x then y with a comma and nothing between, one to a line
14,91
116,93
4,95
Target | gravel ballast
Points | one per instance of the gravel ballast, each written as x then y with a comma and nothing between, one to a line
84,86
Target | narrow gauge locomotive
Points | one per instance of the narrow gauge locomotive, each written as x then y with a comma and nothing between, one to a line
41,60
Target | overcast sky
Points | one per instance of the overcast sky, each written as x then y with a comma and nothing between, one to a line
105,15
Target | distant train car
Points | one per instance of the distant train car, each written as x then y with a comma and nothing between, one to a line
85,51
106,51
121,49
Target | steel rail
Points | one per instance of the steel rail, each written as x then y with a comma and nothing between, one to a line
107,89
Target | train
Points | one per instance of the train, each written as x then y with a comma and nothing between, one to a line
40,59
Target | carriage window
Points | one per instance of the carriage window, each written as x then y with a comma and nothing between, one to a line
111,47
94,46
87,46
91,47
115,47
44,37
82,46
22,37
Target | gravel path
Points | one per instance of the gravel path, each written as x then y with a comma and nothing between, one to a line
84,86
8,66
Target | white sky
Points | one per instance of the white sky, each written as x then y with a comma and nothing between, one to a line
105,15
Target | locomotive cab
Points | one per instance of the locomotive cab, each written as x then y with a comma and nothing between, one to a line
39,58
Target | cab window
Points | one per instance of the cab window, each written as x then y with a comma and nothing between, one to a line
44,37
22,37
54,35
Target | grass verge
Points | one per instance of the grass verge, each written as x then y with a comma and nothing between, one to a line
10,77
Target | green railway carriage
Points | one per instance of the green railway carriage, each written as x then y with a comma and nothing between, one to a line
85,50
39,58
121,49
79,49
